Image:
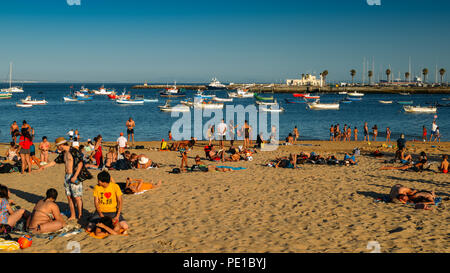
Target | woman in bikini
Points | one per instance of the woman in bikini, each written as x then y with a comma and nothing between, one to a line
247,130
138,185
46,216
44,147
111,157
98,155
444,164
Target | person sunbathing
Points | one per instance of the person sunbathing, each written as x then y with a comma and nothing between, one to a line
405,159
399,193
419,166
349,159
105,227
143,162
444,164
46,216
138,185
289,163
422,199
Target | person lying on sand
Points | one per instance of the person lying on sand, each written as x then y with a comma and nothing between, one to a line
422,199
289,163
419,166
401,154
46,216
349,160
138,185
103,227
444,164
399,193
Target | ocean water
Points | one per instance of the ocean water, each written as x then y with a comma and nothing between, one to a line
106,117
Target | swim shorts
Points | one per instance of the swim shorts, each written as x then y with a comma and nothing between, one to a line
73,189
130,131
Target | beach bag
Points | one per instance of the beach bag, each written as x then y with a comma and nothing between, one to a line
84,174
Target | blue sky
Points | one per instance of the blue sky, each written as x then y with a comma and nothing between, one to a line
238,41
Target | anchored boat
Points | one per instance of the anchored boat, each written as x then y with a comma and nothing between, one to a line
28,100
419,109
323,106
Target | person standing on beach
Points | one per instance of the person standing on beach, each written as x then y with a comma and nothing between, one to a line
121,143
424,134
375,133
73,162
25,150
366,132
433,130
296,134
130,129
70,134
247,131
349,133
355,132
331,132
222,132
14,131
231,134
388,135
44,147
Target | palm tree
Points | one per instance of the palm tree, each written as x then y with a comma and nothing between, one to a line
324,75
425,73
407,76
442,73
370,74
353,74
388,73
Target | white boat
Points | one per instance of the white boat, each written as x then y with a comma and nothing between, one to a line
28,100
385,101
405,93
103,91
343,93
205,105
70,99
323,106
215,85
419,109
241,93
12,89
273,108
24,105
151,100
355,94
178,108
266,102
222,99
130,101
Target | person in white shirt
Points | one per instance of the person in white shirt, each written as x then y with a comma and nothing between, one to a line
122,143
70,133
433,130
221,132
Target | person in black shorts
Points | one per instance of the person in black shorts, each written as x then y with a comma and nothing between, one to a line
130,129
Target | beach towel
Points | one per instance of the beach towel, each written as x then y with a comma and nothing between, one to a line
68,230
8,245
233,168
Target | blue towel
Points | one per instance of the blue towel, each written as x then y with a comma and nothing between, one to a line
233,168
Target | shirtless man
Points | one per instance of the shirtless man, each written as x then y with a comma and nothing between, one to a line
73,161
444,164
14,131
26,126
130,129
399,193
366,132
44,147
46,216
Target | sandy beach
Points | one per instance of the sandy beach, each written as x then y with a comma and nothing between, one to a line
315,208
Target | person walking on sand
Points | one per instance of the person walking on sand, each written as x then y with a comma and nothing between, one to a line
72,159
222,132
130,129
296,134
121,143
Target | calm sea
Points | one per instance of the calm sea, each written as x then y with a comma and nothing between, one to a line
104,116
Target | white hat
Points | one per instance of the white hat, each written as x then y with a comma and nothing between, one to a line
143,160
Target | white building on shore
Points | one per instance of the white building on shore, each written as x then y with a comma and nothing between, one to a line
306,80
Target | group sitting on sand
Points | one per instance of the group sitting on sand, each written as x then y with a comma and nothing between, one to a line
293,160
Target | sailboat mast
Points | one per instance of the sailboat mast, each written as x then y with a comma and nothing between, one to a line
10,74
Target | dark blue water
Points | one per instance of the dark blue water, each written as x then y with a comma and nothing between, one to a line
105,117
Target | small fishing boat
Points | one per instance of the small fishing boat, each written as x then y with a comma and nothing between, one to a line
201,95
405,102
323,106
222,99
272,108
266,102
207,105
445,98
385,101
346,101
259,98
354,98
311,97
5,95
103,91
151,100
343,93
405,93
28,100
70,98
178,108
137,100
24,105
419,109
241,93
355,94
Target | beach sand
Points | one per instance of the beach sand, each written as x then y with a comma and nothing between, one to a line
316,208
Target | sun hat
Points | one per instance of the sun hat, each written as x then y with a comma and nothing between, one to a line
143,160
60,141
